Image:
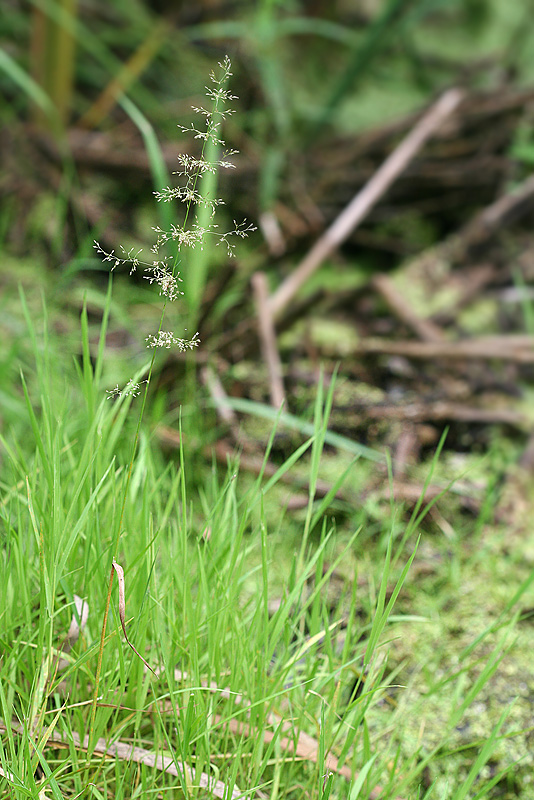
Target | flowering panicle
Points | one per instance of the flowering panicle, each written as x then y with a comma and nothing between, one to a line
132,389
241,229
193,169
161,269
158,271
168,339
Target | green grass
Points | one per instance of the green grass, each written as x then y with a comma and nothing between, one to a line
284,650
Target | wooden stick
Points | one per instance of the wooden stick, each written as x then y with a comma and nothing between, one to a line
444,410
268,338
364,201
211,380
502,348
482,227
124,751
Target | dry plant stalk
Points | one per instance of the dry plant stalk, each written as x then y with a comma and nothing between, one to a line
364,201
300,744
122,610
268,338
126,752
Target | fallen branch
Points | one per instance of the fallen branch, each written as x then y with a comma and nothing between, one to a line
482,227
505,348
444,411
126,752
364,201
507,208
268,338
211,381
302,745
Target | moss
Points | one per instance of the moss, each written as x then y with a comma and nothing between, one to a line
434,651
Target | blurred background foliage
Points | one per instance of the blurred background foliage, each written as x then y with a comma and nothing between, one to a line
92,93
304,72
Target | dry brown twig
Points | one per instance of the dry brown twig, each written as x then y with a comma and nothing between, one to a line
211,381
485,224
445,411
303,745
364,201
122,611
505,209
268,338
511,348
227,414
139,755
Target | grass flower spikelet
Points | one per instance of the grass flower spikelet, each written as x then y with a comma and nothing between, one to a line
132,389
161,268
189,233
168,339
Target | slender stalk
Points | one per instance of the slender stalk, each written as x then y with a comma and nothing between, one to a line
160,272
117,540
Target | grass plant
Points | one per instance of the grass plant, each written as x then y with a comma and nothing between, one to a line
264,683
269,657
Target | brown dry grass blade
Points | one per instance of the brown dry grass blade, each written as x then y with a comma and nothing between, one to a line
122,612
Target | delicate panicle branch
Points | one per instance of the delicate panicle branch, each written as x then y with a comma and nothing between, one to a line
132,388
167,339
189,233
157,271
